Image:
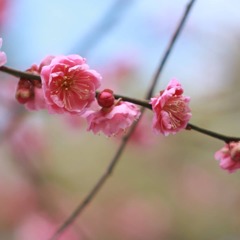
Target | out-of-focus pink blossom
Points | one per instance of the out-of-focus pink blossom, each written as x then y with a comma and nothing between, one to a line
69,85
39,227
29,92
28,143
129,220
105,98
114,121
119,70
18,197
74,122
3,57
229,156
142,135
5,5
171,110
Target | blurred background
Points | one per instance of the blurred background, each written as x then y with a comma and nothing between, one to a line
163,187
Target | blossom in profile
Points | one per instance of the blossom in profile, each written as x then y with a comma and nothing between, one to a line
3,57
113,121
69,84
171,110
229,156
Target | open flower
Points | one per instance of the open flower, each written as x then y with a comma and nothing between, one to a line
3,57
69,85
114,121
171,110
229,156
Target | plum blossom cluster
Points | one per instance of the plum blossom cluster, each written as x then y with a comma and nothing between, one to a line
68,86
114,117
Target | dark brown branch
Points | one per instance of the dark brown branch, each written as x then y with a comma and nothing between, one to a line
215,135
19,74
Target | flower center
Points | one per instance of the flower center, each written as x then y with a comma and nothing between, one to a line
62,84
176,110
66,83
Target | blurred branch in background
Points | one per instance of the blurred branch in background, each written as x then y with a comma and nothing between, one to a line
106,24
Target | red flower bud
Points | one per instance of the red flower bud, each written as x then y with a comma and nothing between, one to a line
25,91
105,98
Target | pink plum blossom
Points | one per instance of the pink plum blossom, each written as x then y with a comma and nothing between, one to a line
171,110
3,57
113,121
229,156
69,85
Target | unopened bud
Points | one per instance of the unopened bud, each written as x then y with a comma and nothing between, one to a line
25,91
106,98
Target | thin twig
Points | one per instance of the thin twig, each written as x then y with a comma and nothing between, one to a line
19,74
125,139
226,139
169,48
